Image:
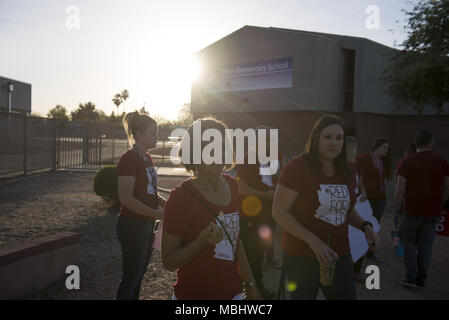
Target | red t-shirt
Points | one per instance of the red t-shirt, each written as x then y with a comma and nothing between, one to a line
425,172
251,175
322,206
373,181
132,165
212,274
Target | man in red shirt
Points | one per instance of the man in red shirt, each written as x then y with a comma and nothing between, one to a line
423,185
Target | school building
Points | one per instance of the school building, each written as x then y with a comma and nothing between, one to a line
287,79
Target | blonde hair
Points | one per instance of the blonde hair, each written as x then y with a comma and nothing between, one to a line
351,147
134,122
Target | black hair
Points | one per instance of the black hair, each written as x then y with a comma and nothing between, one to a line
387,161
423,139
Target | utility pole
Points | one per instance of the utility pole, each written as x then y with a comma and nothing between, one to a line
10,90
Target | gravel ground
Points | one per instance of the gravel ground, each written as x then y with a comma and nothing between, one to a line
50,203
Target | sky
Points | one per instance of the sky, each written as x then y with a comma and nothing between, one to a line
88,50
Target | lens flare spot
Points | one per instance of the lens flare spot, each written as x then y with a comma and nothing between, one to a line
251,206
265,232
291,286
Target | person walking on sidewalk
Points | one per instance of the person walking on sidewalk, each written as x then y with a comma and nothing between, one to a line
137,189
423,185
314,203
376,168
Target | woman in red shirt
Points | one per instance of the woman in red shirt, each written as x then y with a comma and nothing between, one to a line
376,168
201,232
314,203
137,188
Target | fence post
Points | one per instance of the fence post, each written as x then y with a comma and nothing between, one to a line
25,144
113,150
86,144
99,155
55,143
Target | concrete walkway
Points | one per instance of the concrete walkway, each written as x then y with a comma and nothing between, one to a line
172,171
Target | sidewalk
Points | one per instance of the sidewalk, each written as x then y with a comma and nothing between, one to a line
172,172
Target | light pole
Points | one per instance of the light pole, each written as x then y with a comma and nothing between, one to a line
10,91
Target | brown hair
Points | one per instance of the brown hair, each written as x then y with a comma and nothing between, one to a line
311,150
134,122
387,160
206,123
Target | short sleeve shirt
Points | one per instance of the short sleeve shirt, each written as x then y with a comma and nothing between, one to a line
212,274
424,172
373,180
132,165
322,206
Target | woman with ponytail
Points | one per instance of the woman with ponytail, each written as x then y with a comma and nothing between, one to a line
140,203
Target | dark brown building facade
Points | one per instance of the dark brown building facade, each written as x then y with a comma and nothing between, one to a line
287,79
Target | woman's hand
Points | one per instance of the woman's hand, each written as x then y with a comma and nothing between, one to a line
322,251
212,234
372,238
252,293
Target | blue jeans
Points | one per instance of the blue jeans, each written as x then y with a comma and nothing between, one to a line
417,233
305,273
136,240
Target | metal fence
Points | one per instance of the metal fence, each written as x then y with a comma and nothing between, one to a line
88,145
26,143
34,143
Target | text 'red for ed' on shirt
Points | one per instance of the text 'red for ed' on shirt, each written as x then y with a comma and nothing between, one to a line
322,206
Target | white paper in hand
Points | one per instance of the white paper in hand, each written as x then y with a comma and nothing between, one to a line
357,241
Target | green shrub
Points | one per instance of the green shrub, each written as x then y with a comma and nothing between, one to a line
105,184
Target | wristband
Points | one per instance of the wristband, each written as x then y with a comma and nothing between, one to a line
364,224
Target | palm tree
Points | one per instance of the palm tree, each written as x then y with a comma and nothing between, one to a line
124,95
117,101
